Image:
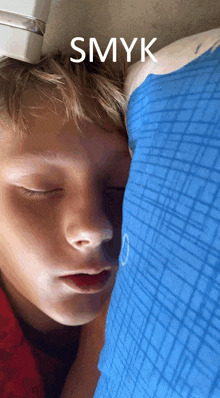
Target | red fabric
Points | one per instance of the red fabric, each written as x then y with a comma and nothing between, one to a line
19,376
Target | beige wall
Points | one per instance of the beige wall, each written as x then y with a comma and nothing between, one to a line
168,20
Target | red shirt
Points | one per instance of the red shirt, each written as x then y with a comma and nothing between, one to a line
25,370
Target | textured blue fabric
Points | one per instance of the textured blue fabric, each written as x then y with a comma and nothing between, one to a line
163,324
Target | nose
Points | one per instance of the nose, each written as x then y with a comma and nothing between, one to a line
87,227
90,238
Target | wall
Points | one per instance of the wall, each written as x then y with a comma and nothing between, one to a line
168,20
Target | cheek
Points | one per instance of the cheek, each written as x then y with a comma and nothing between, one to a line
113,198
23,228
24,214
113,201
113,209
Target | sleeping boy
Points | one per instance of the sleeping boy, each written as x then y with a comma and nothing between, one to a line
64,163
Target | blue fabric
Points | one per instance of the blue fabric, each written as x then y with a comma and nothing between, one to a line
163,324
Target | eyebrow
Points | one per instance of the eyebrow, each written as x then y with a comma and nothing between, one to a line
42,159
53,155
45,157
19,163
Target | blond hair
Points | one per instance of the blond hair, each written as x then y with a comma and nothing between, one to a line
66,83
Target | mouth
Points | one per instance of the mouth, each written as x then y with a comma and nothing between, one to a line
87,283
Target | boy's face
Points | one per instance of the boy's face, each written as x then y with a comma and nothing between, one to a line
60,215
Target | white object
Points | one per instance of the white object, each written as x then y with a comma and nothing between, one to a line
22,28
171,58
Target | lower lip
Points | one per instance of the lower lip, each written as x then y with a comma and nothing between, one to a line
88,283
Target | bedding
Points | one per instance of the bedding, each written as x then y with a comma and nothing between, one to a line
163,326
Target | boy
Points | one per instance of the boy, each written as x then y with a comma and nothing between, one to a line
64,165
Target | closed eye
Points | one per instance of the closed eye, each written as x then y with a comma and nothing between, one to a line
40,194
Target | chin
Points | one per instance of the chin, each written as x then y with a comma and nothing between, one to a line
83,309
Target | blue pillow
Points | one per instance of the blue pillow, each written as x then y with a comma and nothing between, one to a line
163,324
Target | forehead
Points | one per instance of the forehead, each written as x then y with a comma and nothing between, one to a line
49,131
